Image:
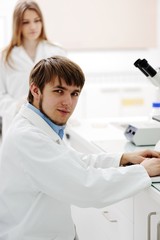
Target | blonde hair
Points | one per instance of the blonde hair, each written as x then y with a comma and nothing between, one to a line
16,39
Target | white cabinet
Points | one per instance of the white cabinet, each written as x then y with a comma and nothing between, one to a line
146,217
90,224
136,218
110,223
119,221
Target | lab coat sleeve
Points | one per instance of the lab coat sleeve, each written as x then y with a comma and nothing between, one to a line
6,101
102,160
61,173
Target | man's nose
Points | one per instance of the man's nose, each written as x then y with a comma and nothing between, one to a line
67,100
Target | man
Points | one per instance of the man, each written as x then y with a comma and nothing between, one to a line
41,177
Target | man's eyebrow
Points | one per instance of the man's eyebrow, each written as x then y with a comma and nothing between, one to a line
64,88
59,86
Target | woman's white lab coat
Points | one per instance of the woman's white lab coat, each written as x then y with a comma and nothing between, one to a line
14,81
41,177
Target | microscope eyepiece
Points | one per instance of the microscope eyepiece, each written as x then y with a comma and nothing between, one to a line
145,67
138,65
137,62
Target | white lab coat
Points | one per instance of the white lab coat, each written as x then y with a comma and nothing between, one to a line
14,82
41,177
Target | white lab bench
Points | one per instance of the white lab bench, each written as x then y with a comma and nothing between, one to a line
136,218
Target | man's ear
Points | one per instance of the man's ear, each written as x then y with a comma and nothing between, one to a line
35,91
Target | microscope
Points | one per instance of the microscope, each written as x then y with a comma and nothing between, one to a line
152,75
146,133
148,71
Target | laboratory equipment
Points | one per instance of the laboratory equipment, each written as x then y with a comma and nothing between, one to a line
148,71
155,109
153,76
147,133
143,133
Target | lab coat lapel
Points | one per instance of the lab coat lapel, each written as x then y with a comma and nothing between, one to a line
23,55
40,52
20,51
39,122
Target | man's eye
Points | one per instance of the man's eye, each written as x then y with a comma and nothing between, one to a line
59,91
76,94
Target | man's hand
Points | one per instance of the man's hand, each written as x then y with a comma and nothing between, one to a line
152,166
149,159
138,157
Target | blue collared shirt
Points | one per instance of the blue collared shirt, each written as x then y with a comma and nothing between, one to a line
58,129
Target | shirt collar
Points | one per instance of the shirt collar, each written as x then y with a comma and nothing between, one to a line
58,129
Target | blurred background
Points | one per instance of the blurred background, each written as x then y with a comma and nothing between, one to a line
105,37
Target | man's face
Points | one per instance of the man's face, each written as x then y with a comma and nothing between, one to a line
57,101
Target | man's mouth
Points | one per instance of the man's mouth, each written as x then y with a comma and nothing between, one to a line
64,111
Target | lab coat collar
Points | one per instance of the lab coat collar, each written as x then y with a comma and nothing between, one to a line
20,51
57,128
36,120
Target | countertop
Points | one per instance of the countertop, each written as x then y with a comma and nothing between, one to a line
108,135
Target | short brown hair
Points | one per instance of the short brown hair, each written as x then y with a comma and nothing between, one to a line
63,68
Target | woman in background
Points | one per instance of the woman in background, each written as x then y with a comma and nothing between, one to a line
28,45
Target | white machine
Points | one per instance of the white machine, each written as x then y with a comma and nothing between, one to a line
143,134
147,133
